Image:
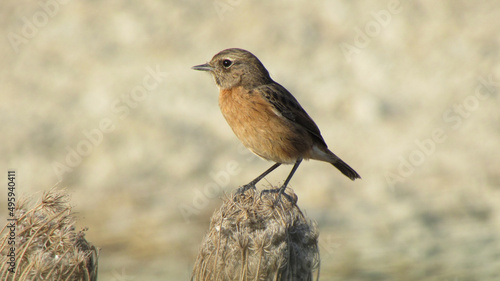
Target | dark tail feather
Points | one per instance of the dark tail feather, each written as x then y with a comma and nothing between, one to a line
346,169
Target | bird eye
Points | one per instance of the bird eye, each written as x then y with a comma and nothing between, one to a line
227,63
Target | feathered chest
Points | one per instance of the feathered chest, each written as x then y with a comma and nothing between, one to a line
262,129
244,108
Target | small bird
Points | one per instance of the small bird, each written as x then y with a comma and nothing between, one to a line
265,116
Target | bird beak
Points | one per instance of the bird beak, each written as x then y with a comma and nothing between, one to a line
203,67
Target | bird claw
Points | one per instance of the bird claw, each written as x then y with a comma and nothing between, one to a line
280,191
244,188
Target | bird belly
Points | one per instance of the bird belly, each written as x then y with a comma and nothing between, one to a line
263,131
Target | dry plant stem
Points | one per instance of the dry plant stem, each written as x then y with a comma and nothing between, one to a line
47,246
33,236
258,238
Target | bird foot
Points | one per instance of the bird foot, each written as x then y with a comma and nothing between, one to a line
281,192
244,188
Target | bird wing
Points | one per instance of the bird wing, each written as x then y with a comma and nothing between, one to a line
286,105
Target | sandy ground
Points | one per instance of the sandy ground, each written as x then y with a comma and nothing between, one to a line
100,94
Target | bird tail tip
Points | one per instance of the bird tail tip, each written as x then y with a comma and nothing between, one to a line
346,170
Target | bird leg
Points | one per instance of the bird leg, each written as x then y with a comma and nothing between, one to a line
295,166
257,179
282,189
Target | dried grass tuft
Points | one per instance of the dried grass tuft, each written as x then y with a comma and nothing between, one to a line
47,246
254,237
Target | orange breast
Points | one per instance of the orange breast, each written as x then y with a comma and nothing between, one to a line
262,130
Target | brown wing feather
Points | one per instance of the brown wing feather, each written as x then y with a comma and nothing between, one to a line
286,104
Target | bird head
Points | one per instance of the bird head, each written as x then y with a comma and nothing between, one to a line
236,67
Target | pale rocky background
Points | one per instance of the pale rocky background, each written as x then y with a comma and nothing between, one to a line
147,189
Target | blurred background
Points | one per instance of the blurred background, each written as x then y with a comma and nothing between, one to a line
99,96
